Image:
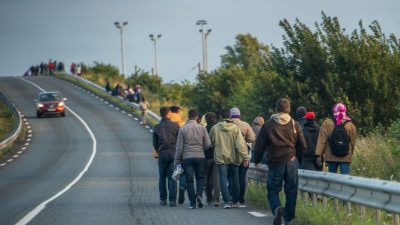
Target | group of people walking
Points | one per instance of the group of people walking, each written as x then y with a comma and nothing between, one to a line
45,68
216,156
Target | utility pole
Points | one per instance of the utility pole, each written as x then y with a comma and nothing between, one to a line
121,26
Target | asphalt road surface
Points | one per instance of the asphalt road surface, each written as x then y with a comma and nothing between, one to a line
91,167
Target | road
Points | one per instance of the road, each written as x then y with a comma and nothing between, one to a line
120,184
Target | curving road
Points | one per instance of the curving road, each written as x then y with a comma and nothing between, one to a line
120,184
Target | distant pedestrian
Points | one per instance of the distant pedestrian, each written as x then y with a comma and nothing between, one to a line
79,70
279,137
230,151
192,141
326,147
164,142
212,185
311,132
250,137
300,113
256,125
144,107
108,87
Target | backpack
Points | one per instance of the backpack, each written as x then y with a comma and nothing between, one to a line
339,141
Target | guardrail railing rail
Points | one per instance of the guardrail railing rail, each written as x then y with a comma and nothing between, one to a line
14,133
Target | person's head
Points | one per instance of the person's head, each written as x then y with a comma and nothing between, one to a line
225,114
235,112
176,109
193,114
142,98
211,118
300,112
165,112
339,112
283,105
309,116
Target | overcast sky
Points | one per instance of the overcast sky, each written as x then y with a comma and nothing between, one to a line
32,31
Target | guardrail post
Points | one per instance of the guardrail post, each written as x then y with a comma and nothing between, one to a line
396,220
378,216
336,205
325,201
362,213
314,199
348,208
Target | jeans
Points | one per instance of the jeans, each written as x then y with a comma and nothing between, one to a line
194,167
344,167
283,174
165,170
211,181
182,179
229,173
242,182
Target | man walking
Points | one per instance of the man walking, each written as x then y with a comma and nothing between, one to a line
279,137
164,142
230,151
249,136
192,141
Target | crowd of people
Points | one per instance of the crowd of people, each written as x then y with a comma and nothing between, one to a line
215,155
45,68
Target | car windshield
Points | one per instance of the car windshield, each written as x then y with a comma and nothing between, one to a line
50,97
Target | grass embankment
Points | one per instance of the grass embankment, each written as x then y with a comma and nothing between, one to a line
6,121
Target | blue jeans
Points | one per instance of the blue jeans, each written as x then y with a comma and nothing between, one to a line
182,179
344,167
229,173
165,170
242,182
194,167
283,174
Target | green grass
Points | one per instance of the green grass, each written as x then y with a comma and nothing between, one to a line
307,214
7,121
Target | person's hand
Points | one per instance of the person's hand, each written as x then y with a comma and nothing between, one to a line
245,163
318,161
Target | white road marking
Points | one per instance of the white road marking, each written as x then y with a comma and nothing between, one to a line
147,127
258,214
20,152
30,135
15,156
32,214
26,123
3,164
151,131
23,148
136,118
26,144
24,119
10,160
130,115
28,127
29,131
124,112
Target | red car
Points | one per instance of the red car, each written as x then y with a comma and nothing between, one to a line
50,103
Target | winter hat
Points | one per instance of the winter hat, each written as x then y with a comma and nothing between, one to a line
310,116
300,112
235,113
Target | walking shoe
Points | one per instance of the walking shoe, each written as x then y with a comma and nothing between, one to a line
172,203
181,196
235,205
191,207
228,205
199,203
216,203
163,202
278,216
210,203
242,205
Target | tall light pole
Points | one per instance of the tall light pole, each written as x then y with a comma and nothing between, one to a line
204,35
154,39
121,26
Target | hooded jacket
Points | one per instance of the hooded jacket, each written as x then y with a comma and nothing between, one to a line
310,131
279,137
323,147
228,142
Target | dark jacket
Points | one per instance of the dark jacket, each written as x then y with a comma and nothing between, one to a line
210,153
310,131
279,137
164,137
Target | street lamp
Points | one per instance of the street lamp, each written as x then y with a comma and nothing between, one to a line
154,39
121,26
204,35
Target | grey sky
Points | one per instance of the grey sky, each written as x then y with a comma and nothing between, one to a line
32,31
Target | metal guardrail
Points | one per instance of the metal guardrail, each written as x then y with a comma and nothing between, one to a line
373,193
14,133
134,105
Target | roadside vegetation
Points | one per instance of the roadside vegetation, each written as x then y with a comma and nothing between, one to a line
6,121
315,67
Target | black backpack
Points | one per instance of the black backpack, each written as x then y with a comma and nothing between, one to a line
339,141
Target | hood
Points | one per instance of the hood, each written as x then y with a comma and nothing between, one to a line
311,126
281,118
258,121
226,126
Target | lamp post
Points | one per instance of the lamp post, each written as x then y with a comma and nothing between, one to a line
121,26
154,39
204,35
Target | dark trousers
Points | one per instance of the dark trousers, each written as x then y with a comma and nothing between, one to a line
242,182
165,170
283,174
211,181
194,167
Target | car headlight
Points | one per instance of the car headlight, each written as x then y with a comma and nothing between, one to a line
61,104
40,105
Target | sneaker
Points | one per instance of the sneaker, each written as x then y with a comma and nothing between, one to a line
199,203
181,196
210,203
235,205
191,207
216,204
278,216
228,206
172,203
163,202
242,205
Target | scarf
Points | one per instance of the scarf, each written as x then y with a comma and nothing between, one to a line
339,112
